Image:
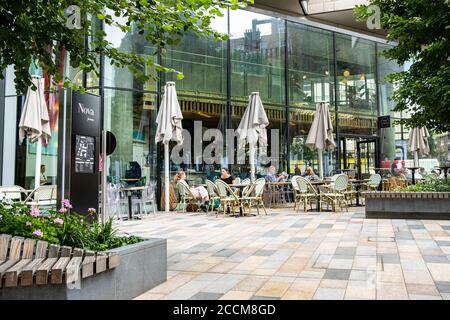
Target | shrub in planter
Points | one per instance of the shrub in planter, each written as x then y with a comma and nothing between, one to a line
434,186
61,227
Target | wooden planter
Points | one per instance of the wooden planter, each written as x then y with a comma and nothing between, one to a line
407,205
142,266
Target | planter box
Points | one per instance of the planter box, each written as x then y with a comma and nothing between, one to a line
143,266
408,205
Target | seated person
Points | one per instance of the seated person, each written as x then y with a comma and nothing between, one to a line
309,174
44,180
271,175
226,176
297,170
199,192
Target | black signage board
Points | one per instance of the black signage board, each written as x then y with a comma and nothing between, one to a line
84,154
384,122
85,151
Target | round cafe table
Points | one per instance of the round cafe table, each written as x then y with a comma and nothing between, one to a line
445,168
241,187
413,172
129,191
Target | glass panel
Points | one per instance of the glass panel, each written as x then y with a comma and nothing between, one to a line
356,75
26,152
276,135
301,156
311,66
385,68
131,117
199,116
202,62
257,53
129,42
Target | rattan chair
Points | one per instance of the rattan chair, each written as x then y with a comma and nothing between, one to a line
43,196
256,199
186,195
228,199
213,193
307,193
11,193
334,193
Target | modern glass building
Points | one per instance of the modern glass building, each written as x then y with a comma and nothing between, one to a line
292,62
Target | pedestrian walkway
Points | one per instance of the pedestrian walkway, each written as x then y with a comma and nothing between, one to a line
288,255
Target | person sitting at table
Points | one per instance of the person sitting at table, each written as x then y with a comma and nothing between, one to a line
43,179
309,174
297,170
226,176
271,175
199,192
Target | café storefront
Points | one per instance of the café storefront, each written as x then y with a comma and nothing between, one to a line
292,64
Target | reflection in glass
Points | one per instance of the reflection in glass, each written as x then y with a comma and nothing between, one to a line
311,66
301,156
130,117
257,56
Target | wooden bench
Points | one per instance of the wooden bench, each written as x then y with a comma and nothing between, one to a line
27,262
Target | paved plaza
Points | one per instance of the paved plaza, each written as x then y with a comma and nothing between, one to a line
288,255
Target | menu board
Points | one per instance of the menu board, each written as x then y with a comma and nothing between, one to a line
84,154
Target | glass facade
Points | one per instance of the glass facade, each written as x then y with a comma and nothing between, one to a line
292,65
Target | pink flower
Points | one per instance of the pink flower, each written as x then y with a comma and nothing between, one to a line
58,221
66,203
92,211
28,224
38,233
62,210
34,212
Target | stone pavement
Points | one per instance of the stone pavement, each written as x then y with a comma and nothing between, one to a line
288,255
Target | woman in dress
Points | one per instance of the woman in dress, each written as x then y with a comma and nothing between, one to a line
199,192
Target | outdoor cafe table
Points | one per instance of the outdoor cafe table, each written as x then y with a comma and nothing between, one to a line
129,191
358,183
241,187
273,189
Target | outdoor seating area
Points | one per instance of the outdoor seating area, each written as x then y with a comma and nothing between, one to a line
43,196
335,193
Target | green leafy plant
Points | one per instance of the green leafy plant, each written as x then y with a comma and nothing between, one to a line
37,30
61,227
434,186
421,29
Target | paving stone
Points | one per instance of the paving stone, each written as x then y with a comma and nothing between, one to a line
389,258
264,252
272,233
329,294
338,274
225,253
297,239
324,225
345,251
417,227
436,259
296,256
443,287
206,296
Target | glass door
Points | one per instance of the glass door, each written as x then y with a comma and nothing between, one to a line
359,156
367,158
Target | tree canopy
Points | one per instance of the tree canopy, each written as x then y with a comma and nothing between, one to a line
422,30
33,30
